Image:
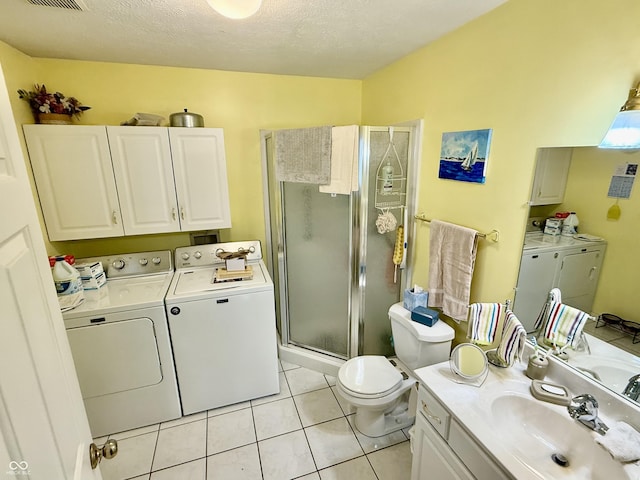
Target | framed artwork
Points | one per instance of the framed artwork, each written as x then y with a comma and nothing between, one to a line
463,155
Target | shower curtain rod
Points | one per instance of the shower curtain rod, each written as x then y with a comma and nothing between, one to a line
493,235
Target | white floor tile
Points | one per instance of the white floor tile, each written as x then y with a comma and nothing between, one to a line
230,430
302,380
180,444
195,470
370,444
276,418
393,463
229,408
141,477
331,380
288,366
347,408
311,476
238,464
182,420
134,432
333,442
284,392
134,458
286,456
357,469
317,406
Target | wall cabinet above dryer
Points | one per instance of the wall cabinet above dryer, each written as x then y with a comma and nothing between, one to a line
550,178
101,181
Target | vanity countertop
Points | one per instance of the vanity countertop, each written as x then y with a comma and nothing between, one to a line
487,414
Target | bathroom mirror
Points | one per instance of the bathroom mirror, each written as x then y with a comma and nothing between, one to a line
469,363
613,356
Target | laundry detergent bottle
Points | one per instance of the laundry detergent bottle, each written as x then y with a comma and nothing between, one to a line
66,278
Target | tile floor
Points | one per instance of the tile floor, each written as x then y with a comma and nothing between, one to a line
613,336
304,432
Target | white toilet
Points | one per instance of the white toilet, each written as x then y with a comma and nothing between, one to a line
379,389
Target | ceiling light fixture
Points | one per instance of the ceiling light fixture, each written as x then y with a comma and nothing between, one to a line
236,9
624,132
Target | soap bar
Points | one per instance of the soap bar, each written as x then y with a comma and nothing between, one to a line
549,392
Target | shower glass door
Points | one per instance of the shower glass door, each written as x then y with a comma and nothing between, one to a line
316,229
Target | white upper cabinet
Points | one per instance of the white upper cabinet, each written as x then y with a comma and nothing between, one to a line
102,181
144,174
200,171
550,179
74,178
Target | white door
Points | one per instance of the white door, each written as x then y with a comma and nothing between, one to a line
537,272
74,176
200,170
44,432
579,278
142,165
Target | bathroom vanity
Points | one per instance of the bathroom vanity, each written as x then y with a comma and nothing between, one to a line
500,431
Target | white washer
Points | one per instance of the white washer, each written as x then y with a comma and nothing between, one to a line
223,334
120,344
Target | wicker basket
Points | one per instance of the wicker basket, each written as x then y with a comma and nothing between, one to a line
54,118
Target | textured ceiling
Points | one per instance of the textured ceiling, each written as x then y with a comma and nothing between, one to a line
323,38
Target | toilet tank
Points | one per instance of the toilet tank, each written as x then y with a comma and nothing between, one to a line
417,345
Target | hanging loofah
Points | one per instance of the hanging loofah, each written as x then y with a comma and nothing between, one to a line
386,222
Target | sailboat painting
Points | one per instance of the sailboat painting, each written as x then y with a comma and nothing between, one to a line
463,155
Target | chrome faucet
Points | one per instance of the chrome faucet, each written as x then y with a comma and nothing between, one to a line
584,408
632,390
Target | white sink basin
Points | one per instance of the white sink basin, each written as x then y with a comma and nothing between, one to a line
612,372
538,431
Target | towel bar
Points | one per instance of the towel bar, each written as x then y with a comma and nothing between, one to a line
493,235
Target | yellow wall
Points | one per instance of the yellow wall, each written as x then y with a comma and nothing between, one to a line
241,103
586,194
543,73
539,73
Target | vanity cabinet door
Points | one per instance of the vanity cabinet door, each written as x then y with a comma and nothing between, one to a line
433,458
144,174
200,171
535,280
75,182
550,178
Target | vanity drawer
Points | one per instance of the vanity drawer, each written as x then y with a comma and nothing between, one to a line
433,412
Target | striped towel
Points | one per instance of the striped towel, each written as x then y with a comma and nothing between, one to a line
555,295
513,339
483,322
564,325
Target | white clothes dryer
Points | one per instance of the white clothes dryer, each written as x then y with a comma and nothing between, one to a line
120,344
223,327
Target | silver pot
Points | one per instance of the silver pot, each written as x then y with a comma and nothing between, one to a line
186,119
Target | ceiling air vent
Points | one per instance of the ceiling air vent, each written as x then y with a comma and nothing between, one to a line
68,4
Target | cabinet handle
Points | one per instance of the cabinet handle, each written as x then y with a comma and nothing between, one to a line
182,213
430,415
174,214
114,217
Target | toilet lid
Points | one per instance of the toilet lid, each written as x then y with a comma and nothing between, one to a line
369,376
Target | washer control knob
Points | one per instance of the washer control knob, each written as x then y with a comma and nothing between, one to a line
197,255
156,260
118,264
143,261
175,310
185,256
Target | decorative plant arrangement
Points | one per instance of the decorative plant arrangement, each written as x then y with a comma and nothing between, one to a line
52,107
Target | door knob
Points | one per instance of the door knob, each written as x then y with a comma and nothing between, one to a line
108,450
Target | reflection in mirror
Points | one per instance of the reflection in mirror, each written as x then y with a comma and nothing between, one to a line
598,282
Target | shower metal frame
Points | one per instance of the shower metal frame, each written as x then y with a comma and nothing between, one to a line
358,202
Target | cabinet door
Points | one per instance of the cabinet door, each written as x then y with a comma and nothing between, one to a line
75,182
433,458
535,280
550,179
578,277
201,177
142,165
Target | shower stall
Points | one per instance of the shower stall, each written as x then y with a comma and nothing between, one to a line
334,273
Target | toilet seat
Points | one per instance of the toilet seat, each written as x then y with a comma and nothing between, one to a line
369,376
